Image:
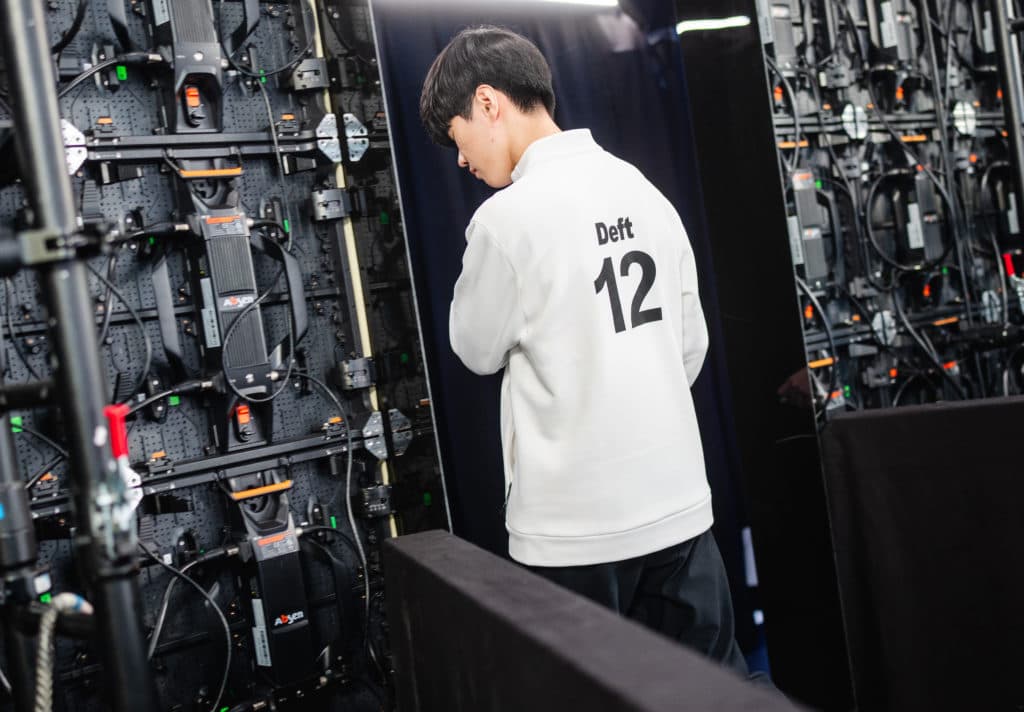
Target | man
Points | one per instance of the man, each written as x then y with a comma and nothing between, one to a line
578,279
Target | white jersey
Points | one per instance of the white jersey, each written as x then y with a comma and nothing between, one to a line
580,281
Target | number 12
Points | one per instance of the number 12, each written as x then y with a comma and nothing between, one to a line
638,316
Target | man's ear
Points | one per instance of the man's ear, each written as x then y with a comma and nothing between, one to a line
489,100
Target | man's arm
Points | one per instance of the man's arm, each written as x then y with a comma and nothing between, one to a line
695,329
486,315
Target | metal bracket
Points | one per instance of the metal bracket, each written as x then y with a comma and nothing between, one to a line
330,204
75,152
357,136
327,138
358,373
373,434
310,74
376,501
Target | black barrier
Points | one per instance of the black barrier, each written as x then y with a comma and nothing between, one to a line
473,632
927,511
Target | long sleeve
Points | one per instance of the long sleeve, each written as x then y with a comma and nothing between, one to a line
486,318
695,329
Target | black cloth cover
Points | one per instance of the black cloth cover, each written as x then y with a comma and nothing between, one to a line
471,631
927,512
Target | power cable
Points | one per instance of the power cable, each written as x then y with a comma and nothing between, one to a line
216,608
147,362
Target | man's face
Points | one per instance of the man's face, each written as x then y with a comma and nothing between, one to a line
483,146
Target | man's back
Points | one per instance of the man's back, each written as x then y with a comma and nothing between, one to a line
580,274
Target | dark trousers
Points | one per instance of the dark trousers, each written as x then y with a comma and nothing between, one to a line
681,592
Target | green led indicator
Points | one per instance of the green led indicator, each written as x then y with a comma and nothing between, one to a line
385,219
287,225
263,77
152,240
428,499
16,423
45,598
817,184
945,270
223,709
404,358
334,522
174,400
846,390
122,72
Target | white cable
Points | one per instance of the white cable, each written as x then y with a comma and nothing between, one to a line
61,603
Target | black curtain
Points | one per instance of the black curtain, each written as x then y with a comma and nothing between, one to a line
620,74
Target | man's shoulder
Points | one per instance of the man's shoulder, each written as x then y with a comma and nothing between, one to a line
506,204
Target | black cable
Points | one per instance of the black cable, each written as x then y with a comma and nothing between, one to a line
1004,280
348,475
181,388
154,637
233,327
261,78
161,228
148,360
273,133
876,107
958,222
797,132
827,324
950,12
280,159
870,230
902,389
76,24
349,47
268,72
128,58
31,482
216,608
851,25
42,438
339,566
108,302
293,341
846,185
932,356
309,528
12,337
956,49
273,224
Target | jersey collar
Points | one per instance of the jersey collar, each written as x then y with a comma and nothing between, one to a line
559,145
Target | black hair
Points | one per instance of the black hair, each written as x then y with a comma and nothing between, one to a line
491,55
